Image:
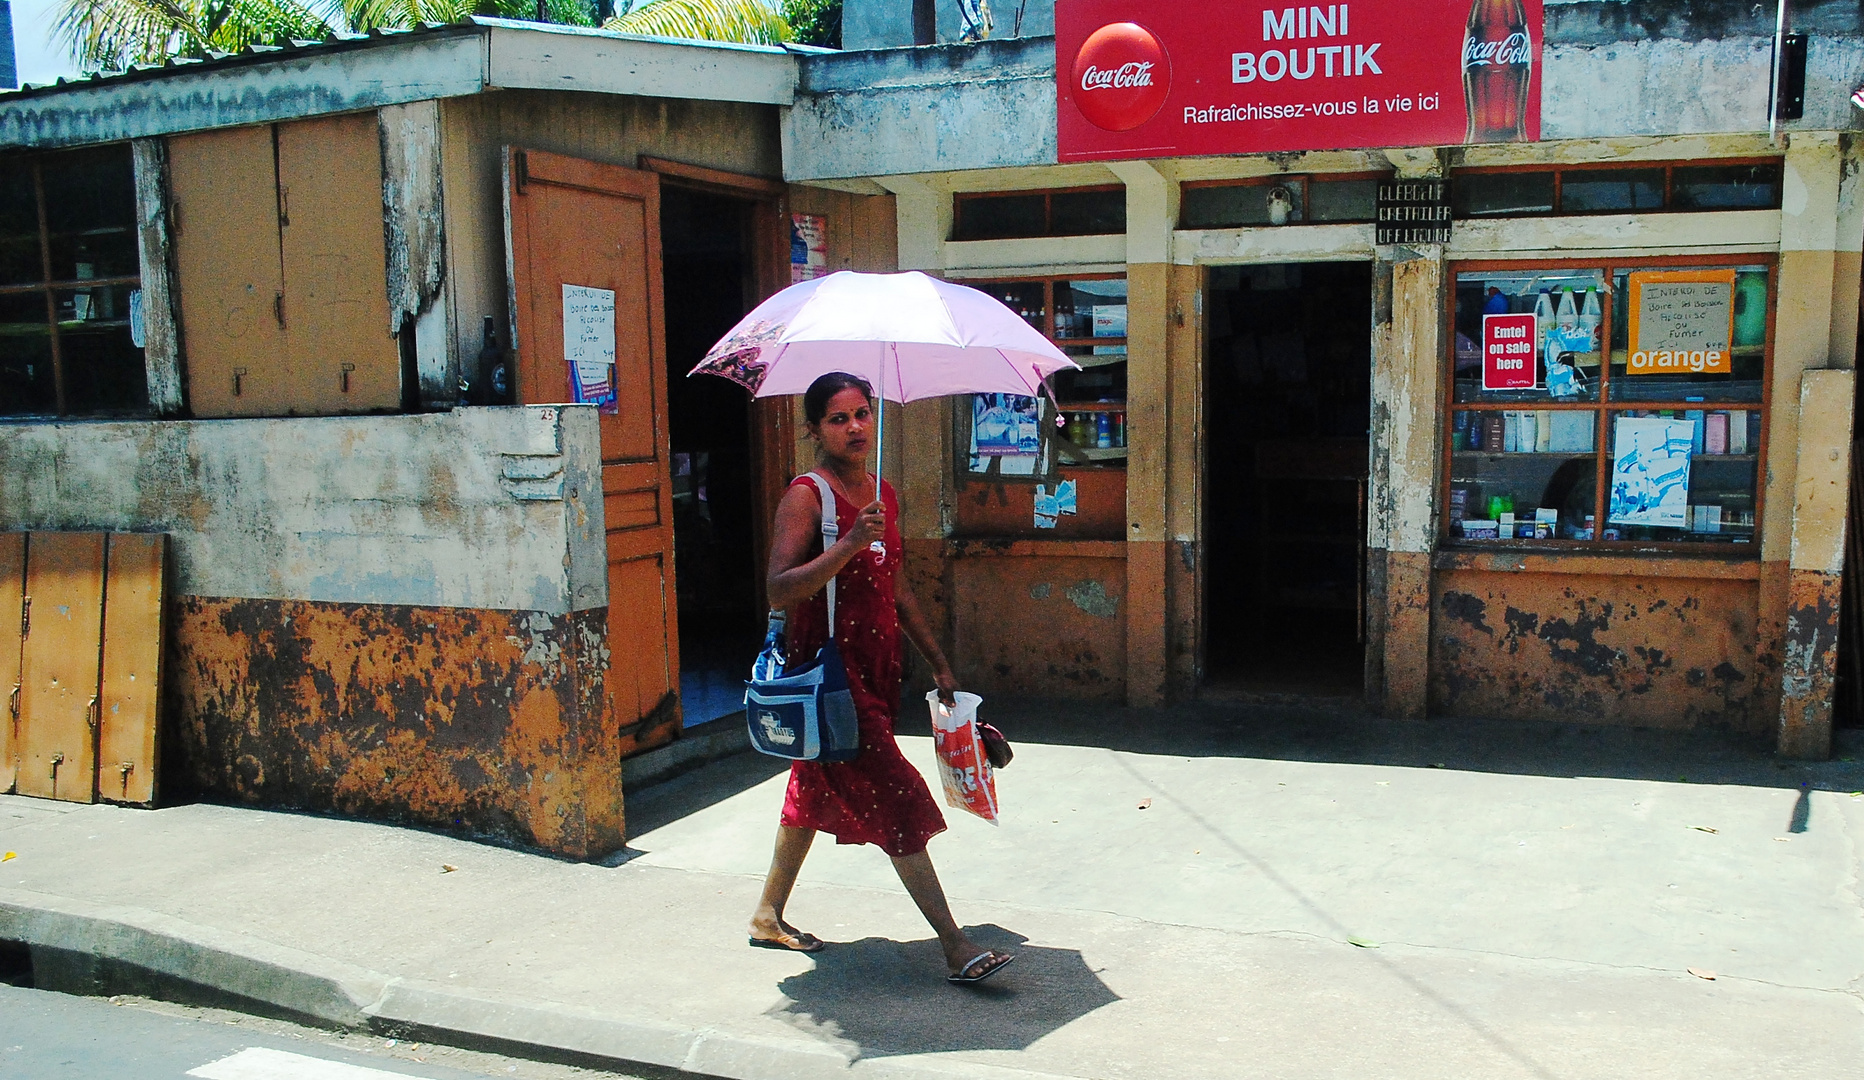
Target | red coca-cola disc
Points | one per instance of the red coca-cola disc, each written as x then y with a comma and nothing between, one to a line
1121,76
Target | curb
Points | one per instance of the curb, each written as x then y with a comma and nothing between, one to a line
99,949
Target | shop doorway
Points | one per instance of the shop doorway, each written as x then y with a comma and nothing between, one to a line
1286,418
711,281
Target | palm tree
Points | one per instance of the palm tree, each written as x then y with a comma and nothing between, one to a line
110,35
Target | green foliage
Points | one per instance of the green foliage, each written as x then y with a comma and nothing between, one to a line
814,22
748,22
109,35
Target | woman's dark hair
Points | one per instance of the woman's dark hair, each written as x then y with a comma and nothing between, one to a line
815,399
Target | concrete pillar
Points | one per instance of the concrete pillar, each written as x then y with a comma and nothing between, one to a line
1150,212
1410,294
1809,432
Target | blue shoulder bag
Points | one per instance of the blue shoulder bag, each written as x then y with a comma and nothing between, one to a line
803,712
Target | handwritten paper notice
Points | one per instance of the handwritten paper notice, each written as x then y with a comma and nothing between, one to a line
1650,471
1682,322
589,342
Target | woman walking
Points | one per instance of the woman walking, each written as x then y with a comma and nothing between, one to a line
876,798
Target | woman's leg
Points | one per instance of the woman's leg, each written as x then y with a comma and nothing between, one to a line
785,863
921,881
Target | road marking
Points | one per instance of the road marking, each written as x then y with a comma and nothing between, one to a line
259,1063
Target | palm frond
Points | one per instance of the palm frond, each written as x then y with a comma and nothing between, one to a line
748,22
110,35
363,15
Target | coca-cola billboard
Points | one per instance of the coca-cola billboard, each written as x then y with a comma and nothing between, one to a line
1251,76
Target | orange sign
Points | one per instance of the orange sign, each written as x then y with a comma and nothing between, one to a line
1682,322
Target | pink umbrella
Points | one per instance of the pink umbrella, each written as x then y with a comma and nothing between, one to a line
918,336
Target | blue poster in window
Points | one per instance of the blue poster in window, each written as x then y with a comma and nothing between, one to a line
1650,471
1005,424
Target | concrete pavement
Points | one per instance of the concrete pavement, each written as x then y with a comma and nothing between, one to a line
1304,893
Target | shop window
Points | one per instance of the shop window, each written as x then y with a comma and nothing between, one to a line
1278,200
1025,214
1643,189
1607,405
70,285
1077,438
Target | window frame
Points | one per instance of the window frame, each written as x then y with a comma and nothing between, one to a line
49,289
1604,406
1559,172
959,198
1301,179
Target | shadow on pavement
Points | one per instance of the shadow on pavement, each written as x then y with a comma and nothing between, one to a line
891,997
668,801
1338,735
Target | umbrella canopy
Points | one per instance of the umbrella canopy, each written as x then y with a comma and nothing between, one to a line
915,336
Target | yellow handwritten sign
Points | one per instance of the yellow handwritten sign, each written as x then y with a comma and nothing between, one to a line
1682,322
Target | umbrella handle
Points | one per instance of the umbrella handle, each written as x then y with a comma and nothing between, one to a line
879,547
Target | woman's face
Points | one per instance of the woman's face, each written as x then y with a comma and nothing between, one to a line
843,428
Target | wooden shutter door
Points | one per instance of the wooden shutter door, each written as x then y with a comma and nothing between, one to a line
224,187
12,600
577,222
59,676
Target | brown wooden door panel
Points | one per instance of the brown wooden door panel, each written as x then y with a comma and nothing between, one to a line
12,596
59,666
639,670
132,662
225,192
582,223
332,249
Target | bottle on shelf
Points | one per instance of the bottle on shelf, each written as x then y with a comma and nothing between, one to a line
1103,430
1543,313
1568,317
1590,317
1119,429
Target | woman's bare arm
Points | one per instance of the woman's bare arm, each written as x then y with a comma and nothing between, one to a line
793,575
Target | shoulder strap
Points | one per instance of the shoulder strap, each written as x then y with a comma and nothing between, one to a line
831,529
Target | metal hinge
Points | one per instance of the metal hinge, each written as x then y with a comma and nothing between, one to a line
347,368
239,383
12,703
520,171
25,617
93,713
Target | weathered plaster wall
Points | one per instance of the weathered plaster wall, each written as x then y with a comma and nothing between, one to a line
1551,644
932,109
478,508
1038,617
488,723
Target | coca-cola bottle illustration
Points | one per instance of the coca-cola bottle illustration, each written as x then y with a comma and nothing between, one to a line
1498,68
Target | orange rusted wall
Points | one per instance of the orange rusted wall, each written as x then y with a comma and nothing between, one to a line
487,723
1645,650
1038,618
1810,664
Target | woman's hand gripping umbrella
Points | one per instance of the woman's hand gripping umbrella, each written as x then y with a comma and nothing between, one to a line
918,337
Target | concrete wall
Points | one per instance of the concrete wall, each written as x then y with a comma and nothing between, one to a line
888,24
397,616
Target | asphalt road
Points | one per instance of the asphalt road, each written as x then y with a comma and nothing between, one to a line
45,1036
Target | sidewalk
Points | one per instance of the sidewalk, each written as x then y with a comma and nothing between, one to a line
1527,901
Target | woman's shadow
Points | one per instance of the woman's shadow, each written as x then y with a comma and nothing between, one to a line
890,997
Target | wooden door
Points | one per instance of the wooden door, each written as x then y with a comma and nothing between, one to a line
59,666
331,246
132,664
224,186
575,222
12,607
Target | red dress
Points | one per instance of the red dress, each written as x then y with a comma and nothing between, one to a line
878,798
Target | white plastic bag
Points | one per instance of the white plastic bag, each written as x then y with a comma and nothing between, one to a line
969,781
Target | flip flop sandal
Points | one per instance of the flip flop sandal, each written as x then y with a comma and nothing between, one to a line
1001,961
772,943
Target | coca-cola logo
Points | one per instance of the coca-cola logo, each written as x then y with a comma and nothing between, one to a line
1121,76
1511,50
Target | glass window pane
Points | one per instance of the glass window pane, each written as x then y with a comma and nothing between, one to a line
1725,187
26,385
1342,200
1238,205
1023,297
90,211
1683,475
1087,213
1568,308
1659,374
1501,194
103,365
19,224
1523,475
1001,217
1598,191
